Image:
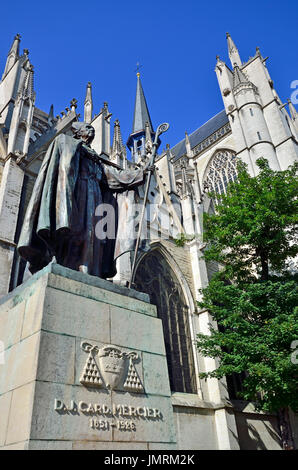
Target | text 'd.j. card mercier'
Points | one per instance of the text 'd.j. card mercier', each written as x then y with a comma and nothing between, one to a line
104,417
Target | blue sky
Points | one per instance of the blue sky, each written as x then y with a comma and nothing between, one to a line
73,42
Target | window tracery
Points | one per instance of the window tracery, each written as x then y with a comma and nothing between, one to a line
221,170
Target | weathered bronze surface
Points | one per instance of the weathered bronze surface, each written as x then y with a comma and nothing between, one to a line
62,215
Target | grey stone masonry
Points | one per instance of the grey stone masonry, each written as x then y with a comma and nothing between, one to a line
82,366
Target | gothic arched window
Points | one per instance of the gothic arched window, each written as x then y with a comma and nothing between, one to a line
155,277
221,170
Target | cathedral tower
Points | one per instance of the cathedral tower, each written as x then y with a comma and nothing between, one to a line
17,104
259,122
142,129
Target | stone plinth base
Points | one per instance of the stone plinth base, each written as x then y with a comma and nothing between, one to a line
84,366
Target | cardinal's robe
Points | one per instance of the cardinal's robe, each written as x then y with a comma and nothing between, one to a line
81,211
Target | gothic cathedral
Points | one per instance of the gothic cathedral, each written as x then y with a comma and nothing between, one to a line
254,123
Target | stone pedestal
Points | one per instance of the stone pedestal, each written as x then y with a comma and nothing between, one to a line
84,366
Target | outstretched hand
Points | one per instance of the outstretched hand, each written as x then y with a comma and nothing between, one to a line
148,168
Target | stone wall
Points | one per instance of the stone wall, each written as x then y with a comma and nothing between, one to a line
84,366
257,431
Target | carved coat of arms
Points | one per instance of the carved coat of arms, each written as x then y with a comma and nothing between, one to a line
113,368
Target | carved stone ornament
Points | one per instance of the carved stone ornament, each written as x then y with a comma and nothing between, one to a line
226,91
114,369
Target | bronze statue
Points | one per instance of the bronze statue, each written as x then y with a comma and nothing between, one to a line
62,215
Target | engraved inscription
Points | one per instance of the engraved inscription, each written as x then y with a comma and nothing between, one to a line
105,425
102,409
119,416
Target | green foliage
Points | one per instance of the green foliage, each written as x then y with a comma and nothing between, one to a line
257,324
255,223
256,312
180,241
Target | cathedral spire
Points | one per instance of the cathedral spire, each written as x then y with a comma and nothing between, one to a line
13,54
88,104
142,125
233,52
141,113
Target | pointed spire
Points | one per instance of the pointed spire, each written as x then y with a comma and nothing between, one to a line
293,112
88,104
15,48
118,149
233,52
137,139
141,113
188,146
51,115
117,138
51,112
12,55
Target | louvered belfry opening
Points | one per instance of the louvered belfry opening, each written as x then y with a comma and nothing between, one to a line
155,277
